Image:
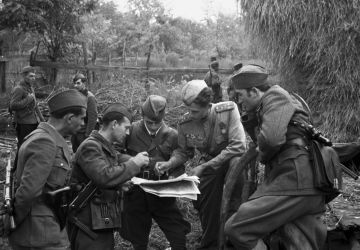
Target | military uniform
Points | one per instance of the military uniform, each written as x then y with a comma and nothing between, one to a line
97,160
219,137
43,165
213,80
141,207
90,121
287,193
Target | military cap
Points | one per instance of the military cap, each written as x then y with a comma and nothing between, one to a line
79,76
191,90
249,76
116,108
154,107
66,99
237,66
27,69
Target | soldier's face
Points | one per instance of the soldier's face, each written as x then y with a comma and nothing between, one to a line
30,77
121,130
152,125
198,112
79,84
76,122
249,99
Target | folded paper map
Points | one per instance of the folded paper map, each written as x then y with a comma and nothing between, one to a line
183,186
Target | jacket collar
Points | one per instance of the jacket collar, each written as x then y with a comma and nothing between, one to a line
105,143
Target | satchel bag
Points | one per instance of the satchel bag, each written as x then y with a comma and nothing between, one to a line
327,170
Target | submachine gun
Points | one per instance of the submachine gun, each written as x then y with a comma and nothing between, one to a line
6,209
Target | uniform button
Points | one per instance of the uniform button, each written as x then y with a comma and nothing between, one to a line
61,164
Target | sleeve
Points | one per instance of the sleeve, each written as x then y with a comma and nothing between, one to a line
277,112
92,115
182,153
17,101
39,158
97,168
237,141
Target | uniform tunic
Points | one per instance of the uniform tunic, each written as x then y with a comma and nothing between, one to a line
141,207
287,193
219,137
98,161
213,81
43,165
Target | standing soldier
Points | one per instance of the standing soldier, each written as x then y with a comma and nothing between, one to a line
96,160
79,83
43,166
216,132
213,81
24,104
287,193
231,89
151,134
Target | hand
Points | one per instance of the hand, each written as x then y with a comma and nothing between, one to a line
141,159
161,167
197,170
127,186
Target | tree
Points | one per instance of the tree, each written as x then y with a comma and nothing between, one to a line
56,22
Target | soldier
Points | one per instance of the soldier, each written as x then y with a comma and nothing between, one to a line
213,81
96,160
23,102
44,165
151,134
216,132
231,89
287,193
79,83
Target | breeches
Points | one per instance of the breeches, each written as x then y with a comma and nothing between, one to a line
259,217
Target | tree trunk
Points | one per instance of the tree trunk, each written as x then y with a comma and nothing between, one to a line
124,53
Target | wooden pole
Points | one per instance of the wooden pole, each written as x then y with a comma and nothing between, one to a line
2,70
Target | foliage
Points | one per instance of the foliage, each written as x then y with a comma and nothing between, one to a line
172,59
316,45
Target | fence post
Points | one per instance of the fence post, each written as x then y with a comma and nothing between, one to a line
3,74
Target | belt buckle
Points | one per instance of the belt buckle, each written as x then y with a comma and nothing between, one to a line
146,174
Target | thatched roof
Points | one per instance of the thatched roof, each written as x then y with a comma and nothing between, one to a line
316,45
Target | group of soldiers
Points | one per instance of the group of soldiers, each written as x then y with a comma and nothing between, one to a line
156,151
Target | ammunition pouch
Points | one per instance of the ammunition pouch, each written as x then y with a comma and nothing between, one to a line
105,215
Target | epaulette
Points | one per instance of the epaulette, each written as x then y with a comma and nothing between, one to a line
225,106
185,118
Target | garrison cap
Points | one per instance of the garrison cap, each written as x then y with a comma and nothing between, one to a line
154,107
116,108
79,76
249,76
27,69
191,90
66,99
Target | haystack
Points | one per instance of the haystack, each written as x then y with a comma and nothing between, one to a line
315,48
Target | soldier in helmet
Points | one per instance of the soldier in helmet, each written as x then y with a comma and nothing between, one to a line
43,166
288,193
79,83
216,133
151,134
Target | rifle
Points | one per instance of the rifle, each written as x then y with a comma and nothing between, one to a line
79,202
7,215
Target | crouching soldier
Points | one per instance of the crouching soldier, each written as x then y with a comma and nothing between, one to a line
96,162
215,130
151,134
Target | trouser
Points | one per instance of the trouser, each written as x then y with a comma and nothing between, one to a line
208,205
22,130
139,210
259,217
77,139
81,241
